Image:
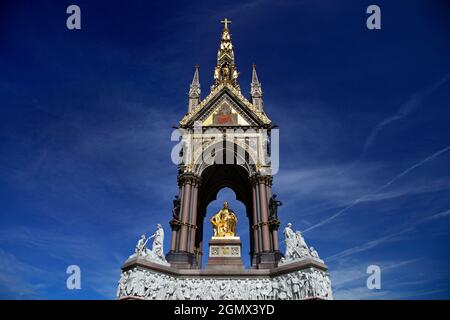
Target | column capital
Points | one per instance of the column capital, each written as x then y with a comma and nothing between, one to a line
190,178
274,224
258,178
175,224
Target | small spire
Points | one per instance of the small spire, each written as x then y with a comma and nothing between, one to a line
255,87
194,90
225,70
256,90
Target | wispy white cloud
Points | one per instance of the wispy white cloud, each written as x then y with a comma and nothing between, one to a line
409,106
16,278
379,189
387,238
349,281
329,190
362,293
350,273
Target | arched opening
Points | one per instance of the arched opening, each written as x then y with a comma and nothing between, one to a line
223,164
227,194
225,183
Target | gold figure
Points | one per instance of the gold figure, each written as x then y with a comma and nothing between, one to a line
224,222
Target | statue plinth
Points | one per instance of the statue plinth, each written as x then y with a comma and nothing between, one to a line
225,253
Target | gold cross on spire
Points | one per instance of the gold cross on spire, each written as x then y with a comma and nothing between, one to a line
226,22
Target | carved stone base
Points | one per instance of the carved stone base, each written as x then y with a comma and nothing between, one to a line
225,254
303,279
268,260
181,260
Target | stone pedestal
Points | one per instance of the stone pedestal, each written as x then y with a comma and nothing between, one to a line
181,260
303,279
225,254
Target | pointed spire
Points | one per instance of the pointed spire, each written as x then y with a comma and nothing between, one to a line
256,90
225,70
255,87
194,90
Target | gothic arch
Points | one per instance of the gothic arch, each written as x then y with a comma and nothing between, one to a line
225,150
215,178
199,187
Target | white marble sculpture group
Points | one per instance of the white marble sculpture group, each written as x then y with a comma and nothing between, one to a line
305,284
147,284
296,248
156,254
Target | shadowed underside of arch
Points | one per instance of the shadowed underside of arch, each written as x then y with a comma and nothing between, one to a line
214,178
224,152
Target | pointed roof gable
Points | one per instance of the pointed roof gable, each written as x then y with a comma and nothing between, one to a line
234,98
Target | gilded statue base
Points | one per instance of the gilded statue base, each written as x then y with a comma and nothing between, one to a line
225,253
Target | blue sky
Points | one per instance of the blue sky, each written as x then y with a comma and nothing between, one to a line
86,119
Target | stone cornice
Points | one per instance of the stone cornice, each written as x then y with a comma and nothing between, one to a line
283,269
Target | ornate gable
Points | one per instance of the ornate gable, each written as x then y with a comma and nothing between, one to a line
225,105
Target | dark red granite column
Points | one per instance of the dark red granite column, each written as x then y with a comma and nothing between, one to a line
185,215
174,240
264,215
193,220
255,226
200,254
275,240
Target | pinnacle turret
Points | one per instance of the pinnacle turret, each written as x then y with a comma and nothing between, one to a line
194,90
225,70
256,90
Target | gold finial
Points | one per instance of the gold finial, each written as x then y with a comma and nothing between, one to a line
226,22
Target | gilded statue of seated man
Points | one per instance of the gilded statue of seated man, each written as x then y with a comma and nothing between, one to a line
224,222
